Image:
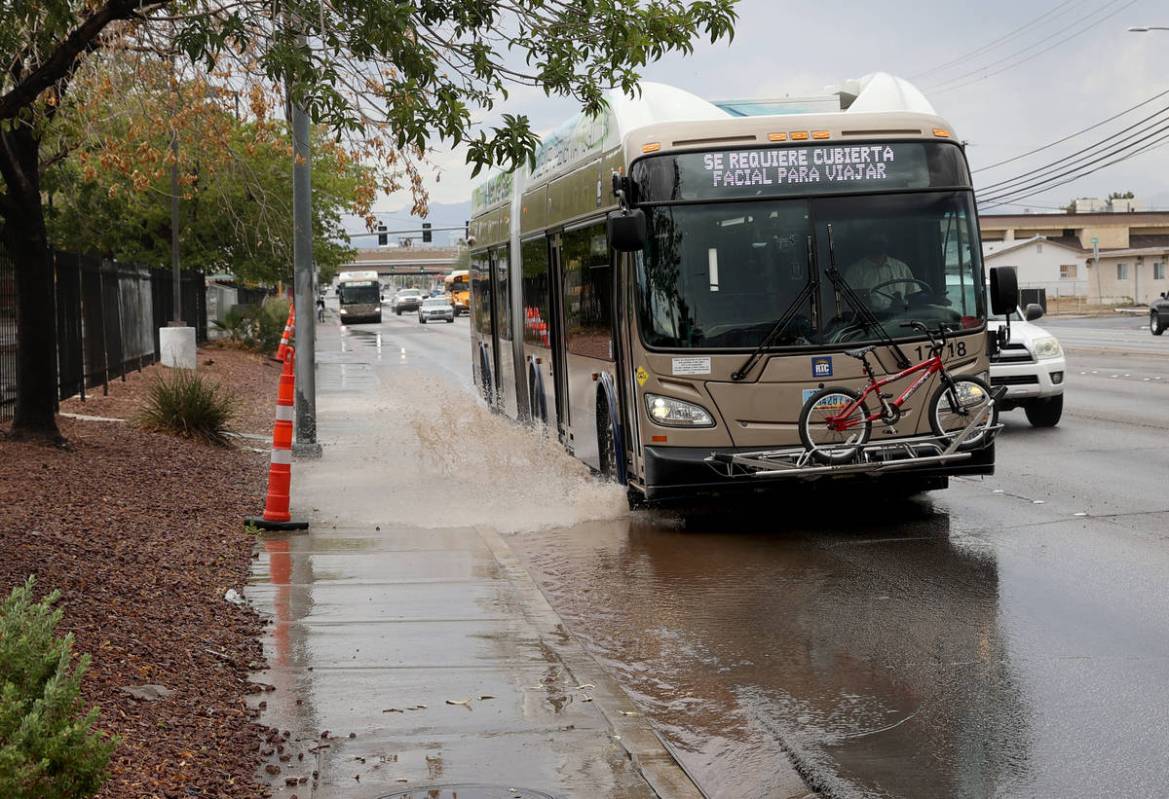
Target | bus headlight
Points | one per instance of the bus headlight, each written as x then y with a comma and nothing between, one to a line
672,412
1047,347
344,311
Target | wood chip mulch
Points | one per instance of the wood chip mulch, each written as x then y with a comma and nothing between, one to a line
250,377
143,534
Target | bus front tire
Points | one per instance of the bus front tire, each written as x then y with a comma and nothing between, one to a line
634,498
606,444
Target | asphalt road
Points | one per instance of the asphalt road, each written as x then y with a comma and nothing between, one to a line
1006,637
1119,335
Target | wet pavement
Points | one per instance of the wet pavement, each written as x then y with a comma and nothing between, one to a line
409,649
1006,637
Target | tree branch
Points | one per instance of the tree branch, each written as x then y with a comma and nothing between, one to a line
85,38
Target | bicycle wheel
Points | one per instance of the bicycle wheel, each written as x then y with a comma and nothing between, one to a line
954,406
826,445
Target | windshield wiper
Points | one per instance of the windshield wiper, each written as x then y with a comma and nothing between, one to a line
789,313
861,309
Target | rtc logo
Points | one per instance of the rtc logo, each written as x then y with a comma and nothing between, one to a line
822,367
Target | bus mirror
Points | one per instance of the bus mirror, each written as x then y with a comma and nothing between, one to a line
626,230
1004,290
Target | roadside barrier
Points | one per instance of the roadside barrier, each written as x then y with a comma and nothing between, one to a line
286,338
276,515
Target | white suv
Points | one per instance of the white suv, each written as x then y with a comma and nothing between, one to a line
1032,367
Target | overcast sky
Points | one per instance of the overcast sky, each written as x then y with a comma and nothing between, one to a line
1036,97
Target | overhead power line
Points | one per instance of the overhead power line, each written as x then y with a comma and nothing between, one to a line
1070,136
1029,205
1048,180
1154,145
1112,141
1024,28
1144,144
1029,53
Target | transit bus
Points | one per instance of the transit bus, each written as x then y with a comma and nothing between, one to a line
458,288
360,297
774,237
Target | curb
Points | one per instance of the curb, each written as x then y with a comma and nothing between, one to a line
656,763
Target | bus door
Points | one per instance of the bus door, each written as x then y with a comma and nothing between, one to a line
556,307
623,305
483,322
501,331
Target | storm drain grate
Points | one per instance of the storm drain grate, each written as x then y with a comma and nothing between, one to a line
467,792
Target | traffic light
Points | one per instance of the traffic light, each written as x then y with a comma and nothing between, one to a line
383,236
426,233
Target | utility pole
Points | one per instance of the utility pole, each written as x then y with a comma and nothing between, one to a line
176,340
306,444
177,316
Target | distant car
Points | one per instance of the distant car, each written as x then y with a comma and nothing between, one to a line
1032,367
1159,314
436,308
407,300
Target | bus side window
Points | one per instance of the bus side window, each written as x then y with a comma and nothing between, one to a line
535,292
480,294
499,260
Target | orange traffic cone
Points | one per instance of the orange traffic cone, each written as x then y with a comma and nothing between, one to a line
289,327
276,515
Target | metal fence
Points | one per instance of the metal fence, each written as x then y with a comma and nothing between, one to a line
7,335
107,315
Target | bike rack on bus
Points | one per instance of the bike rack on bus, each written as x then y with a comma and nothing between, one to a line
873,458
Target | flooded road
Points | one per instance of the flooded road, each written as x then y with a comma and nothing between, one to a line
1006,637
871,658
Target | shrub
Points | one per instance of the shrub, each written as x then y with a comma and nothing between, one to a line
270,320
185,404
48,748
256,328
238,323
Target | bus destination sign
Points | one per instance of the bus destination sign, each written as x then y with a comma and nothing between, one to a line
791,171
867,163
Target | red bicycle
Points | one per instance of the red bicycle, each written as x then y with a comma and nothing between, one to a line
836,423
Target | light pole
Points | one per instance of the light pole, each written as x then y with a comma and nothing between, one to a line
1137,264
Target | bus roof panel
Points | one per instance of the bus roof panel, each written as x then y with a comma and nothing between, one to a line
877,105
346,277
581,139
878,92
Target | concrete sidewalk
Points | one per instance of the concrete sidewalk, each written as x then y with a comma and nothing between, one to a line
404,657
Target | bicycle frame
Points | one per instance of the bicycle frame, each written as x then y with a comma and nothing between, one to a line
929,367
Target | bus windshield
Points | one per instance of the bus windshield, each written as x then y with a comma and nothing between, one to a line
719,275
359,293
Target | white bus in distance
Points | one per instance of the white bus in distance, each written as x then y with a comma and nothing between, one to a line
360,297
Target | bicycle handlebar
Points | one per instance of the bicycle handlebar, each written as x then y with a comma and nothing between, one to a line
936,336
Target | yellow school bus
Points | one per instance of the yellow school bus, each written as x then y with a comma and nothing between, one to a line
458,288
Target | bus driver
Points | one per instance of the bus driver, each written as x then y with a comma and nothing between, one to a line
878,267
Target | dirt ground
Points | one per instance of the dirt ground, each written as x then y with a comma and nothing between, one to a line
250,377
143,534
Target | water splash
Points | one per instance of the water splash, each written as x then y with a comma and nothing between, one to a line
450,462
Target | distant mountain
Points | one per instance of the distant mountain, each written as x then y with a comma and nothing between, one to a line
442,215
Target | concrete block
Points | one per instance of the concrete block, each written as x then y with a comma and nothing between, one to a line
177,345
